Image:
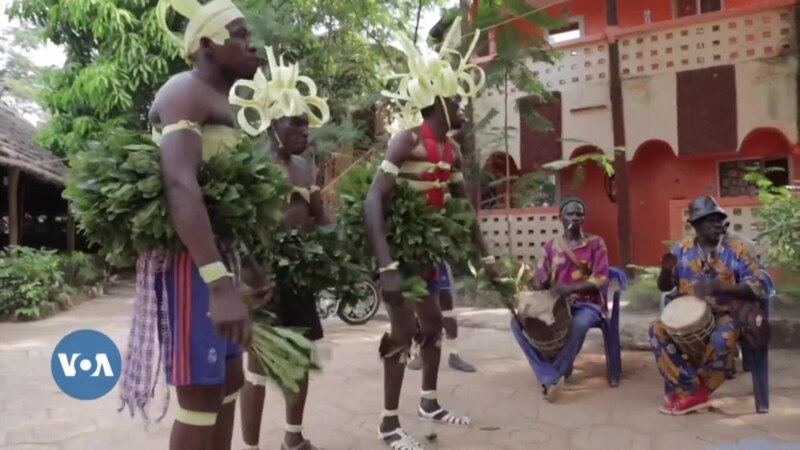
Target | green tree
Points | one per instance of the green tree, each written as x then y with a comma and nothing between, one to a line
20,78
345,47
509,66
778,220
117,57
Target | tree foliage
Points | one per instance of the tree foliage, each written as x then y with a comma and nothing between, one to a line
117,57
778,221
345,48
20,77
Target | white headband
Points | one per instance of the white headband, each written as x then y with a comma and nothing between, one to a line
205,21
425,81
278,97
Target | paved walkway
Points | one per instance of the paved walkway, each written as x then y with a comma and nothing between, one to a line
502,397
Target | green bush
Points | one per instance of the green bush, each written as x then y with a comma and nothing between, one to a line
778,222
643,292
29,279
81,270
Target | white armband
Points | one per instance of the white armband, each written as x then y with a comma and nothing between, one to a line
389,167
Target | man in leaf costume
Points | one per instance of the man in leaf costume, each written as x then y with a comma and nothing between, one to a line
426,159
189,301
447,305
288,115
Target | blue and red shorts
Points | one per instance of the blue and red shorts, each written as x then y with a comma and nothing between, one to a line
199,354
441,282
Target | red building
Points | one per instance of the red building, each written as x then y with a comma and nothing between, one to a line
705,88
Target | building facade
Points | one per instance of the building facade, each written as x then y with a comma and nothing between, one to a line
708,88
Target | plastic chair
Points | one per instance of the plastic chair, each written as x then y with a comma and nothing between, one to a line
758,362
609,327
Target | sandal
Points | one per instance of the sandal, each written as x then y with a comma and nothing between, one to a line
304,445
441,415
405,441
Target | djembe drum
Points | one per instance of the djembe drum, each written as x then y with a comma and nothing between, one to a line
546,321
689,322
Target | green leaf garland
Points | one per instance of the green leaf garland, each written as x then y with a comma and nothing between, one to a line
117,197
419,235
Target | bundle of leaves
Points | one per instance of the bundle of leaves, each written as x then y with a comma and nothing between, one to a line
308,262
508,288
285,354
419,235
117,197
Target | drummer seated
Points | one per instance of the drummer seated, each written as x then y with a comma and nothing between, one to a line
574,266
717,268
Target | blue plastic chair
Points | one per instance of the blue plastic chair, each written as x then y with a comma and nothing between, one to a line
609,327
758,362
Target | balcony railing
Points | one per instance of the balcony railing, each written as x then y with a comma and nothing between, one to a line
726,37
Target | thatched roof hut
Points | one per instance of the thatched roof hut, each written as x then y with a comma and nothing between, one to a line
18,151
32,182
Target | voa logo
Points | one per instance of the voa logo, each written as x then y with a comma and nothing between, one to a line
86,364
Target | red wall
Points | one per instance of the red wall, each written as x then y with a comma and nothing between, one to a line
657,176
630,12
593,12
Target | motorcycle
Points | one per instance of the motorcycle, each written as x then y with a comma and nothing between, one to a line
329,304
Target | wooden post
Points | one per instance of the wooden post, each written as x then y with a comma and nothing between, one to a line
620,161
14,225
469,150
70,233
797,50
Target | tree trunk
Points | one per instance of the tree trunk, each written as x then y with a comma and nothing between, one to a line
508,166
14,225
70,234
469,151
620,161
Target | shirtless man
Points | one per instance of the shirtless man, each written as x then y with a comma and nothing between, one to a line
447,297
288,140
209,323
428,143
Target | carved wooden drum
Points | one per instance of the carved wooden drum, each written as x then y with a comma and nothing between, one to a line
546,320
689,322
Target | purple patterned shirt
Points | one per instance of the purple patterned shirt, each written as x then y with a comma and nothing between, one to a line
555,267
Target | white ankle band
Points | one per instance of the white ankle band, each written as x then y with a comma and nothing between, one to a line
429,395
389,413
293,428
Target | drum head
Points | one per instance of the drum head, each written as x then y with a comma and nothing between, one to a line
684,311
536,305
